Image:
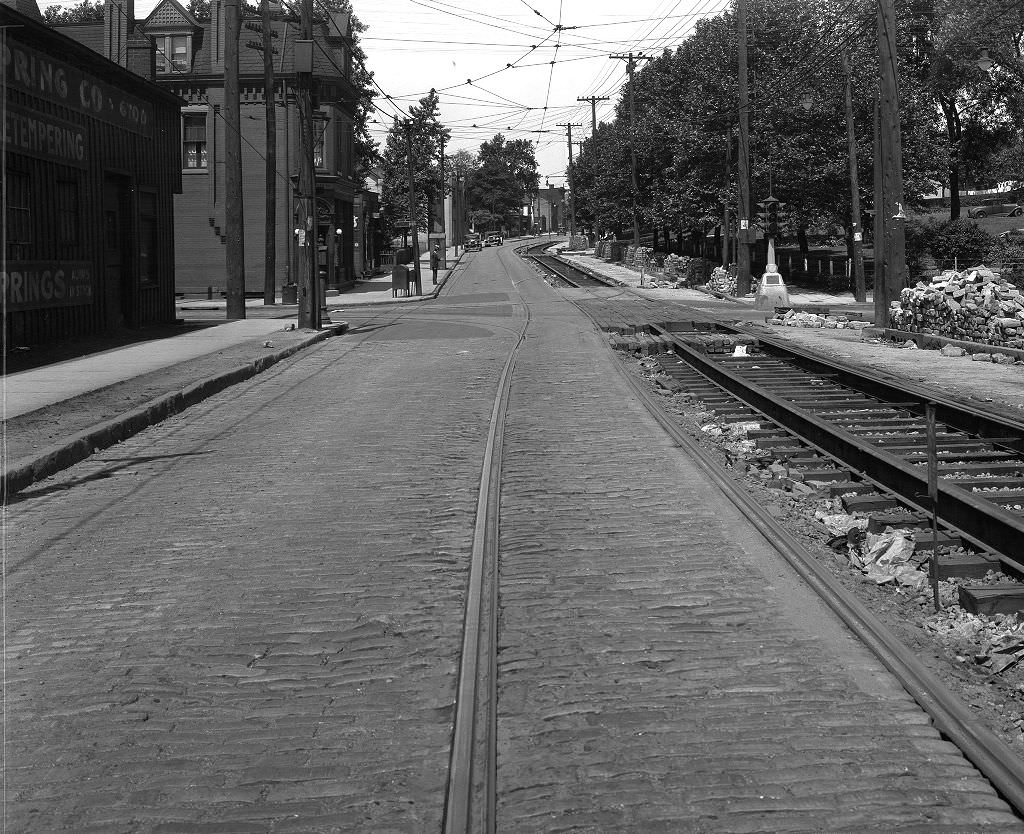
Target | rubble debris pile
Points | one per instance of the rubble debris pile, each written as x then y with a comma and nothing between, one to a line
975,305
792,318
722,281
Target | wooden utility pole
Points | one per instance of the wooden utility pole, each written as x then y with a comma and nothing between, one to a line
891,278
233,218
309,291
856,229
878,227
270,248
572,191
593,130
725,198
593,110
444,227
412,206
631,61
745,234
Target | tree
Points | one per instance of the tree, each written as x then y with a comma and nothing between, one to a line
83,12
978,106
200,10
427,136
686,113
504,181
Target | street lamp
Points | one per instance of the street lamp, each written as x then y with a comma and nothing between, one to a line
984,61
807,100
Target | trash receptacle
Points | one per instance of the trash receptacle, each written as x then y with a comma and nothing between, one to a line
399,279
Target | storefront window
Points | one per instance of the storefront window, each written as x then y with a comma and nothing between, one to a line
193,133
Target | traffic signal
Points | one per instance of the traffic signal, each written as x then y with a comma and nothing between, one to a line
770,215
772,228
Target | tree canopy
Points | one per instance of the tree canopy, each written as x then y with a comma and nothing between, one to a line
959,123
83,12
504,180
427,136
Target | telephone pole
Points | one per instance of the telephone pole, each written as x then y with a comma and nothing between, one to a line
233,218
412,206
593,131
572,191
890,258
725,198
856,230
593,110
745,233
631,61
270,250
309,292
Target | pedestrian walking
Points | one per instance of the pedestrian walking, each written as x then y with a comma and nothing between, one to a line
435,261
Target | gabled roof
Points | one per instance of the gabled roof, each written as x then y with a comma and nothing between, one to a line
29,8
169,15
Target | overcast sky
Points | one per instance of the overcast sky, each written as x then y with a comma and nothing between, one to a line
413,45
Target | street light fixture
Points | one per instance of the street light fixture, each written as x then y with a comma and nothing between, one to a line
984,61
807,100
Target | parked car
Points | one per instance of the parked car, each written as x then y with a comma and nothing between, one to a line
493,240
473,243
995,208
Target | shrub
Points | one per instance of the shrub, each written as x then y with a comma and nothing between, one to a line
962,239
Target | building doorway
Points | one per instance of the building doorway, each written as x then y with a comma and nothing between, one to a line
117,251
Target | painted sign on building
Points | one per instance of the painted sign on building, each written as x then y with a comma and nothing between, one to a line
54,81
32,285
45,137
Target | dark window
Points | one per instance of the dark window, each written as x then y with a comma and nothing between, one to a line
18,215
68,212
173,53
193,133
320,132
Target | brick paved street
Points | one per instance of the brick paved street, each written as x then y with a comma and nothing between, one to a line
246,618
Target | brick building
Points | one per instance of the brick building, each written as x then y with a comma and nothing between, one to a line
550,213
90,173
190,64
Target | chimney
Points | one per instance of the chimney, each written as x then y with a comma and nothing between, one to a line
142,55
118,21
217,32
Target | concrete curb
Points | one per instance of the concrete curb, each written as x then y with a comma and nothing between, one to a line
929,341
427,296
26,471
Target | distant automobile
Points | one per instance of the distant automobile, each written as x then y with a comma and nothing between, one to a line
493,240
473,243
995,208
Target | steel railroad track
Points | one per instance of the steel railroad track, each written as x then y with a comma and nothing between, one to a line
861,433
845,427
564,272
863,436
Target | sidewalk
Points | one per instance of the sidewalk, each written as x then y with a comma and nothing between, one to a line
373,290
60,413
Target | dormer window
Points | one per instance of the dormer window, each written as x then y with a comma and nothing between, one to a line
174,53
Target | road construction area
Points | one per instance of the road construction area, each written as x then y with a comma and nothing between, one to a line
443,570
